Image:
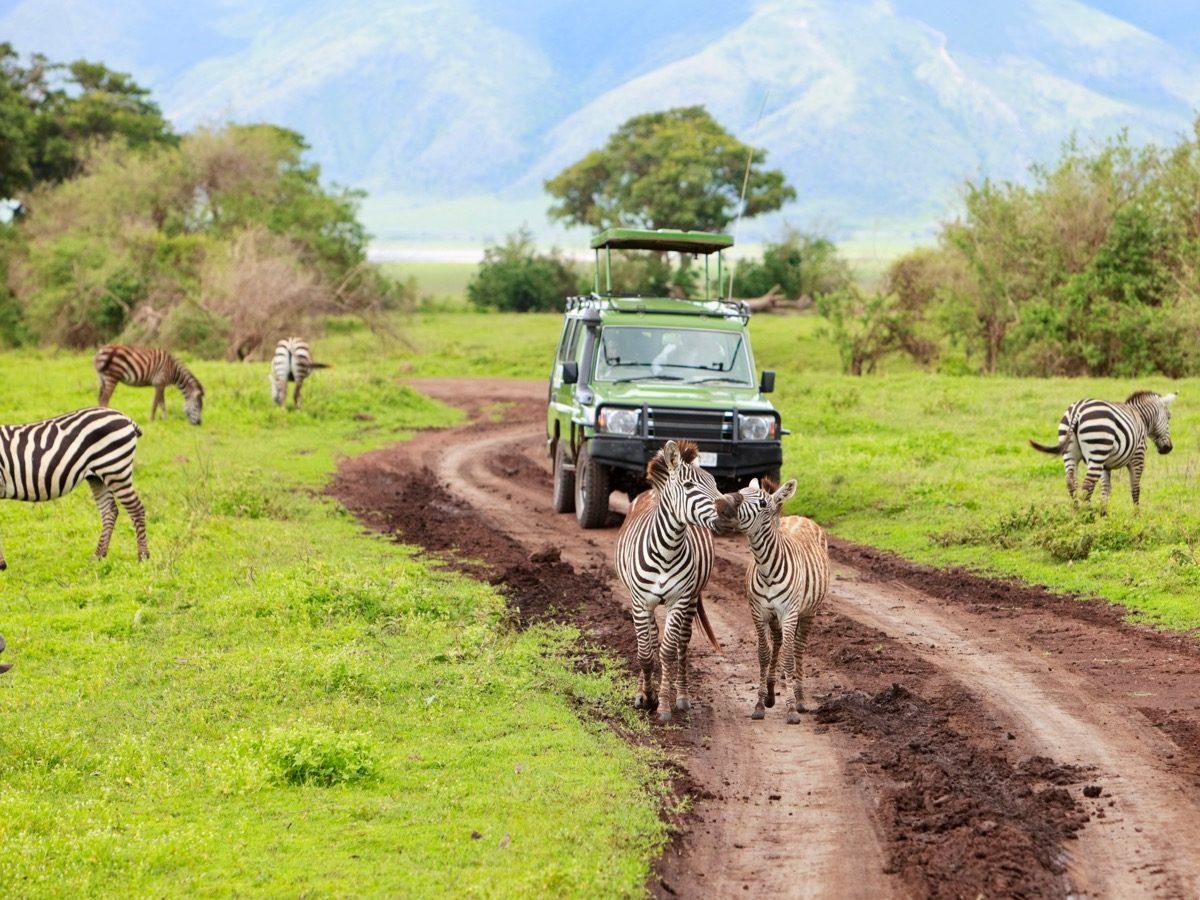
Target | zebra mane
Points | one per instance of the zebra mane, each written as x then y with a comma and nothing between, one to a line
1141,395
768,485
656,469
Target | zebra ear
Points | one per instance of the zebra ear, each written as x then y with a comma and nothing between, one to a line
754,485
1169,399
785,493
672,456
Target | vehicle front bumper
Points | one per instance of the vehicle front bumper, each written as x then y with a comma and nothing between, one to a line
735,459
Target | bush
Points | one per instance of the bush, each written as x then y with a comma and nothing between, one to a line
866,328
515,277
801,265
318,756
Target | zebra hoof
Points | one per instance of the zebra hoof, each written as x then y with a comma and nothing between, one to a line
664,716
683,704
639,702
3,565
793,718
759,713
770,694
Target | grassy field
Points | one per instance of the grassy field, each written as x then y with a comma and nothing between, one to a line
440,284
277,703
935,467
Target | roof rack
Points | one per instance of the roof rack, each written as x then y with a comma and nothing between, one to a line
713,309
663,240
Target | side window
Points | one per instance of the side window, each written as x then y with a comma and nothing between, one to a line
575,343
565,346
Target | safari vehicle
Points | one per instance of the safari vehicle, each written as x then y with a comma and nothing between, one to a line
632,372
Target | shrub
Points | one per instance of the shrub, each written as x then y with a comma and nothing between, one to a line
515,277
318,756
866,328
801,265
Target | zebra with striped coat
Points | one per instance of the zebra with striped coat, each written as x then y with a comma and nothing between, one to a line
785,584
48,459
1106,436
145,367
292,362
664,556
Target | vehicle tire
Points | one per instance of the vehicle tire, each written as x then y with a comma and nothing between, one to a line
564,482
591,491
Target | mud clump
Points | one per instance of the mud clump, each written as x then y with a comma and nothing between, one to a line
961,819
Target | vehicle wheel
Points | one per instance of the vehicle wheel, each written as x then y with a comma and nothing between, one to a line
591,491
564,482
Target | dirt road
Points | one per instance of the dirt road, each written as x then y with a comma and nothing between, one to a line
973,737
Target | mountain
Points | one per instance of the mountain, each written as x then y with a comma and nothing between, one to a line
451,113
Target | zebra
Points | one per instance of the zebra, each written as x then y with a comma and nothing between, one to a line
1106,436
293,362
664,556
48,459
4,667
785,584
144,366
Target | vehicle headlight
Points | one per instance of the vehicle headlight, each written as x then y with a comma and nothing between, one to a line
756,428
618,421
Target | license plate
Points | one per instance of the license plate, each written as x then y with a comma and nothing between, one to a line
708,460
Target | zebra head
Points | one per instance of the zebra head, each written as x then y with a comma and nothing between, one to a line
684,489
193,405
760,505
1155,410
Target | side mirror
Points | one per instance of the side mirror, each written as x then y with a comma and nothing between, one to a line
767,384
570,372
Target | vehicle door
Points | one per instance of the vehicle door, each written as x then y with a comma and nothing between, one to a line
562,395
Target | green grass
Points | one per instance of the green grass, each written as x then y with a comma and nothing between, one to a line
935,467
277,703
440,284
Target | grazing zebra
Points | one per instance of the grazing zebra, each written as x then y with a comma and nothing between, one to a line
142,367
293,362
1106,436
786,584
48,459
664,556
4,667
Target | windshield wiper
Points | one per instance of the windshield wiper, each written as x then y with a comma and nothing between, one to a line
648,377
726,380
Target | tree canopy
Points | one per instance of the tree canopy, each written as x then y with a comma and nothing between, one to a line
51,113
678,168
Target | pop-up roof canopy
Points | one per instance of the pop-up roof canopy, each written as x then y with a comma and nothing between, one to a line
662,240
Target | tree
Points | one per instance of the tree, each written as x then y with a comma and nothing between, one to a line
868,327
800,265
673,169
51,114
515,277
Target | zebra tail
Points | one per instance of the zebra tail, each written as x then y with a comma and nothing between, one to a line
1057,451
317,365
706,625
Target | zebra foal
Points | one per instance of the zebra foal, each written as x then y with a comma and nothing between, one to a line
664,557
1106,436
292,362
144,367
48,459
785,584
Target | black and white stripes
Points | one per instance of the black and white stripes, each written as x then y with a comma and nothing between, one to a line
46,460
292,362
145,367
1106,436
664,556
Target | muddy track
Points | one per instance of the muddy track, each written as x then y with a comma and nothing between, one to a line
972,737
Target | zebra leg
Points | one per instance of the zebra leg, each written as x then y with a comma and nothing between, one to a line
800,639
1105,491
133,505
279,392
1135,481
1069,466
682,701
647,643
776,643
296,393
1094,471
668,660
160,402
107,505
764,662
107,386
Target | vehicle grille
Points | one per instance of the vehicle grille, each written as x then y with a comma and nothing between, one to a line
698,425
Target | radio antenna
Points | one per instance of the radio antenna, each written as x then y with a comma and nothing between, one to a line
737,225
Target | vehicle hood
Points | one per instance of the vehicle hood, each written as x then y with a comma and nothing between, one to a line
710,396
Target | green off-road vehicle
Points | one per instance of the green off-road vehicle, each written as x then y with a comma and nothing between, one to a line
632,372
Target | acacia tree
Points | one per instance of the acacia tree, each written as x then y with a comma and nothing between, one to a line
678,168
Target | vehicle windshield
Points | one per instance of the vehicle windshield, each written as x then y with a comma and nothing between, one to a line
688,355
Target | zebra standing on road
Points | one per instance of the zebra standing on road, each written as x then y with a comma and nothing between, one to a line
48,459
1106,436
293,362
786,584
143,367
664,556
